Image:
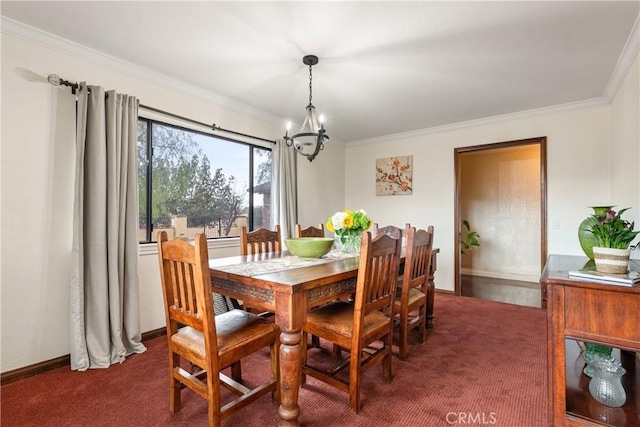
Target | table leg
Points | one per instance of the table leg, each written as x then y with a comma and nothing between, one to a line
291,311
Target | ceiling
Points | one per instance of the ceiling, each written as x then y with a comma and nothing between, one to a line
385,67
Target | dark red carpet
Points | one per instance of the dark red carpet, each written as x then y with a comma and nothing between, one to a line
483,365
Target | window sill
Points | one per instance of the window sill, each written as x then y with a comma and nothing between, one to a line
152,248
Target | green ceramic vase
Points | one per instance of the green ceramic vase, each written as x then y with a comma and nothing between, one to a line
585,236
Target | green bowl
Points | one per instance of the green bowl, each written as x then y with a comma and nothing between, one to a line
309,247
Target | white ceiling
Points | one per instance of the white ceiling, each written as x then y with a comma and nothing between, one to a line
385,67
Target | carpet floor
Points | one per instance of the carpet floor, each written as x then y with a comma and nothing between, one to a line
483,364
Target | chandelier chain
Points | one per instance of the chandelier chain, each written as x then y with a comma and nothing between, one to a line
310,86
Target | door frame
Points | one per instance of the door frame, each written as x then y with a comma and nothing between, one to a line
542,142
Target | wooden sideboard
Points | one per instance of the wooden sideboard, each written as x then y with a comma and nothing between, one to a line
579,310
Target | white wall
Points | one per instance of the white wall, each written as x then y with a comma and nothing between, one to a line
37,175
585,167
625,111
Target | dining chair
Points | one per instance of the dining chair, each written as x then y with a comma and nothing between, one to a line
356,326
390,230
260,241
310,231
410,305
209,343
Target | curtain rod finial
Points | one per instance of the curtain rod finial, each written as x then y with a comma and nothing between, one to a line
54,79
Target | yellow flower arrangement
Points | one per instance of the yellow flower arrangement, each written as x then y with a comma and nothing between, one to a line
349,223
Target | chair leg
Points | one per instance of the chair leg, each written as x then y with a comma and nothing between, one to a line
213,401
403,347
275,368
175,386
354,381
315,341
387,374
422,329
236,371
336,353
303,354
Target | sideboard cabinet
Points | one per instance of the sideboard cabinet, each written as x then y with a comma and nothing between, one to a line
606,314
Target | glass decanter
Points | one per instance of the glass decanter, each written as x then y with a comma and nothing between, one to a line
606,384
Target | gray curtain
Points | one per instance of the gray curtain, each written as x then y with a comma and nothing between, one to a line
105,319
284,196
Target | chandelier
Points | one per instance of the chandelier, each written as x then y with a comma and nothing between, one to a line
311,137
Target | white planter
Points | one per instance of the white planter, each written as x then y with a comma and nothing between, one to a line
612,261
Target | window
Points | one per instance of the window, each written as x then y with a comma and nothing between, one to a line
192,182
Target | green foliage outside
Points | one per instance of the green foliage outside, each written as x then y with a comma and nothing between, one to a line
183,182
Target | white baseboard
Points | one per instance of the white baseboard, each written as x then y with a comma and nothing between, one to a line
501,275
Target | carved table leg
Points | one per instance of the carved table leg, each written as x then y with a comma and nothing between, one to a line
290,313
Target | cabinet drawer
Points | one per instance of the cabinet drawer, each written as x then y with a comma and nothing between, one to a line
602,312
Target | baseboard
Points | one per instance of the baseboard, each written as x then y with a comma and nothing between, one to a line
500,275
58,362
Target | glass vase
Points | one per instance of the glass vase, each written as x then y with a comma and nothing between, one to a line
590,352
350,242
606,384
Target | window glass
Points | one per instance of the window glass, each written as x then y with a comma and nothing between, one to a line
199,183
262,188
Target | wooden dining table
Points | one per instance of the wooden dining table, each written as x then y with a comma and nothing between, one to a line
289,286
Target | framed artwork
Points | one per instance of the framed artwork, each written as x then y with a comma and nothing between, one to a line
394,176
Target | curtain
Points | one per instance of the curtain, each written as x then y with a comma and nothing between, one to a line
105,319
284,199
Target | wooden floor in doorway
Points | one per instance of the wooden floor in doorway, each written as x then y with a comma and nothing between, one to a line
509,291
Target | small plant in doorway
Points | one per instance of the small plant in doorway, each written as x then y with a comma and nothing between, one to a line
468,238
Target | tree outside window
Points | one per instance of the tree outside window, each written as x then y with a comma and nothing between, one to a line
191,182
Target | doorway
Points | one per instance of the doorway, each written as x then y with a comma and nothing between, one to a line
501,195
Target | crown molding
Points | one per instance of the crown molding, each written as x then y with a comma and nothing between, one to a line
51,41
589,103
628,55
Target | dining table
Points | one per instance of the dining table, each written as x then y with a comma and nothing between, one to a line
282,283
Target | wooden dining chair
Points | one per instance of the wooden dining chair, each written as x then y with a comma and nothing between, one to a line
260,241
356,326
390,230
310,231
209,343
410,305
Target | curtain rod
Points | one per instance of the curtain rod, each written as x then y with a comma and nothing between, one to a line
55,80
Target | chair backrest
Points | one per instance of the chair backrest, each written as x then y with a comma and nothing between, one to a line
377,275
259,241
391,231
310,231
417,260
186,285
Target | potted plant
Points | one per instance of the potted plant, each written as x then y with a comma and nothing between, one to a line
468,238
613,236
